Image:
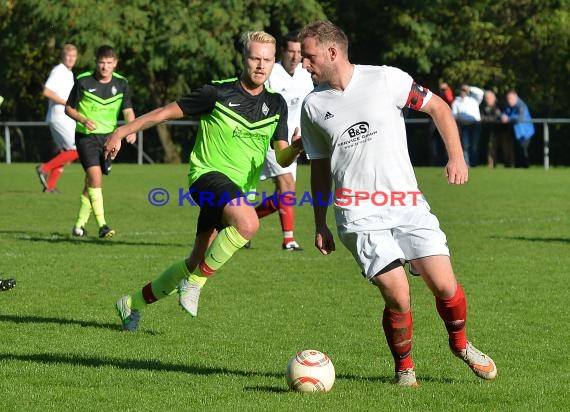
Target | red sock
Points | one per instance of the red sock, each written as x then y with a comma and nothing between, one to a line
266,208
454,313
398,330
287,214
54,177
61,159
147,293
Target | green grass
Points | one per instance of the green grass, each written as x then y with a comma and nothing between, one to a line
61,347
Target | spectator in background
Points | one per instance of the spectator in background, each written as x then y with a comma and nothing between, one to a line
499,137
438,155
61,126
517,114
465,109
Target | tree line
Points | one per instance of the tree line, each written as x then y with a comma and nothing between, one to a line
168,47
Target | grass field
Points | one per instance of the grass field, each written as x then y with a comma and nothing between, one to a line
61,347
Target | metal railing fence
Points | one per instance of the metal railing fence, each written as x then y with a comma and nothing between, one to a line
141,155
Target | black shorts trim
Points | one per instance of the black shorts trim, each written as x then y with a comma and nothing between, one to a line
212,192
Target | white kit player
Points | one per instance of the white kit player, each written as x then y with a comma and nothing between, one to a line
62,127
354,134
293,82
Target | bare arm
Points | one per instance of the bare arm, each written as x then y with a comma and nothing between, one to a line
456,169
286,153
51,95
169,112
320,192
129,115
75,115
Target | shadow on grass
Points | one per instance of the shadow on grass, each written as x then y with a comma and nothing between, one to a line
131,364
57,237
534,239
62,321
158,366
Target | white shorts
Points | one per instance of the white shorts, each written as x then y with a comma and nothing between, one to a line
63,132
376,241
272,169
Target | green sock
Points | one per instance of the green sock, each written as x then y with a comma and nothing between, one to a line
96,198
84,212
228,242
163,285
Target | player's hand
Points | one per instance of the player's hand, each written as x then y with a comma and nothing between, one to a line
296,141
324,241
131,138
456,171
90,125
112,147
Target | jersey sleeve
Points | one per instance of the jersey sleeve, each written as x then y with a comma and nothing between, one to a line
406,92
53,79
200,101
127,98
314,140
74,95
281,131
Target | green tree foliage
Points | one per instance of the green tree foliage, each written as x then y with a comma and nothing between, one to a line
165,47
501,44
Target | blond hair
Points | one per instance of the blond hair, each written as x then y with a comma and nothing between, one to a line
325,33
67,48
255,36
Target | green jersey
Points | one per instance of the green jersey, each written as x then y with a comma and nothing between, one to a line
100,102
235,130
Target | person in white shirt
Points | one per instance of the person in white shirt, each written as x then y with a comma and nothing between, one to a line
293,82
465,108
354,134
62,127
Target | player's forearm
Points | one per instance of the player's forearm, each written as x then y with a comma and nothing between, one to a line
51,95
144,122
286,156
446,125
75,115
129,115
320,190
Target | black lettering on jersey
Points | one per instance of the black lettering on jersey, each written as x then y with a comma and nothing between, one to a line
416,96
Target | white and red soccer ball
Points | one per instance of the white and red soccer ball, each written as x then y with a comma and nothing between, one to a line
310,371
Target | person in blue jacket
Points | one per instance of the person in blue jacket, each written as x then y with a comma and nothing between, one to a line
517,114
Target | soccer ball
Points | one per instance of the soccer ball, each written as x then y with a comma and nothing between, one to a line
310,371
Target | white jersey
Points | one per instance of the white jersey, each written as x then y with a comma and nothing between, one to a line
60,81
293,89
362,131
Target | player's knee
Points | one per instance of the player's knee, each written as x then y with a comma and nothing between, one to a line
247,226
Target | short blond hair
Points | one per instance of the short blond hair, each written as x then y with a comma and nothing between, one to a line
67,48
255,36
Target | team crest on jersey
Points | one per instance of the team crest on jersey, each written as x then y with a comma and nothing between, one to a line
114,90
265,109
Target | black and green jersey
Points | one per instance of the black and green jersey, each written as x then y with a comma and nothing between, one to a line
100,102
235,131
